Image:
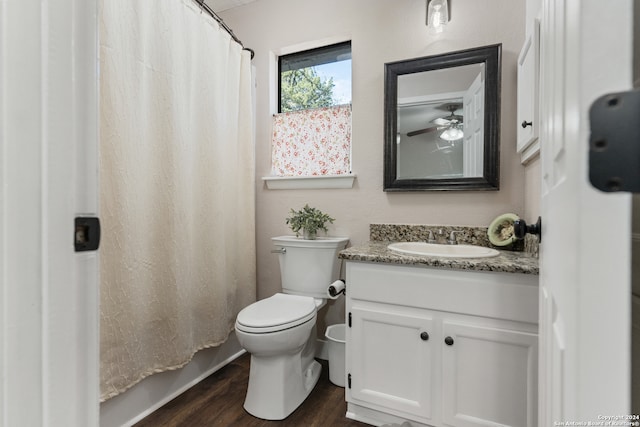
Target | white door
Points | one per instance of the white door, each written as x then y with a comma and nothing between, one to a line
585,252
473,147
48,134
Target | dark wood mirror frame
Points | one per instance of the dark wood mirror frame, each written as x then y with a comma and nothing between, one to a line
490,56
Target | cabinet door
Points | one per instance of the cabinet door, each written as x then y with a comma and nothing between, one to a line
390,359
489,376
528,87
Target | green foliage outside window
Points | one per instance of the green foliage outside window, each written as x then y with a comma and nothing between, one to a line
303,89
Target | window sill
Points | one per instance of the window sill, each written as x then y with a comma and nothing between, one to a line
309,182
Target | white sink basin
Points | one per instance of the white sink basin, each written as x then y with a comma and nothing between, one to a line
448,251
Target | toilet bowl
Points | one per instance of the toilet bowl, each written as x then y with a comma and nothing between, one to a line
280,331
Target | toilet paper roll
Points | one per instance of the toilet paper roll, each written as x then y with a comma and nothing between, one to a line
335,289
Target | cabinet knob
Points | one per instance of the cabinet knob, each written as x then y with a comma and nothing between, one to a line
525,123
448,341
424,336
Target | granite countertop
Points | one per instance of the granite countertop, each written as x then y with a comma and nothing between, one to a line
506,262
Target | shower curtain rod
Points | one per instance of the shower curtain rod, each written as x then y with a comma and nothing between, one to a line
206,8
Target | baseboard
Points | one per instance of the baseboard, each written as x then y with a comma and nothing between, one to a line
153,392
376,418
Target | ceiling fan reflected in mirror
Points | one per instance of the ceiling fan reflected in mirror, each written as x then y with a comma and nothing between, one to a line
451,125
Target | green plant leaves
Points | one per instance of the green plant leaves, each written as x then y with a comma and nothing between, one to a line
309,219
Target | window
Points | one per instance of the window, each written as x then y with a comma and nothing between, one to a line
312,132
315,78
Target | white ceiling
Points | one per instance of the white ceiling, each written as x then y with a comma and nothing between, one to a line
221,5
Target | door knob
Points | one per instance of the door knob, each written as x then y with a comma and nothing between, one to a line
424,336
521,228
525,123
448,341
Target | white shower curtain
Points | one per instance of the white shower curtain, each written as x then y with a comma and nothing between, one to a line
177,187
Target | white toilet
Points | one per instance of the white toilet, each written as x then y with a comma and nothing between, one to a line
280,331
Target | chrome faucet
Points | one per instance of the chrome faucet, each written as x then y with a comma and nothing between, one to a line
431,238
452,238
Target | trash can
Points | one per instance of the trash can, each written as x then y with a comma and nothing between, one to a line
335,335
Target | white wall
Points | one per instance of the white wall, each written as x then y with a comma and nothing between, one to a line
381,31
532,184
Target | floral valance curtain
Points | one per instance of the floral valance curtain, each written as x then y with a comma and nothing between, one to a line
312,142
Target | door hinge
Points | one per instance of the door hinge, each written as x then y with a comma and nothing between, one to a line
349,319
349,380
614,144
86,235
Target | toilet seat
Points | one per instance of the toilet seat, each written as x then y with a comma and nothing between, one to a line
276,313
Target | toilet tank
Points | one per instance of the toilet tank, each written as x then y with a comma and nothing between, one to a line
308,267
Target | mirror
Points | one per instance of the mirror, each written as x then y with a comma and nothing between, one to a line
442,121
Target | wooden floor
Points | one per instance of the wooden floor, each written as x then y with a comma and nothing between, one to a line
217,401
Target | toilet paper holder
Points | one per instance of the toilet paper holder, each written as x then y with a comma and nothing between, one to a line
338,287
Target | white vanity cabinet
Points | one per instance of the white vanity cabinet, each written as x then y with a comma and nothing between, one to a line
441,347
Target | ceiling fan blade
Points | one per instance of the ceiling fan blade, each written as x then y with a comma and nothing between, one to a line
421,131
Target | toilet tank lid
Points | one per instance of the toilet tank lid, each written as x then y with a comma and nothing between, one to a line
279,309
319,242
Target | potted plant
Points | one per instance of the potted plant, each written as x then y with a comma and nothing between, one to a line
309,220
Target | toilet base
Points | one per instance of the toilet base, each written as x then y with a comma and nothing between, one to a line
278,385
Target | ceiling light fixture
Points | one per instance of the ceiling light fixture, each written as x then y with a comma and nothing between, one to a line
453,133
437,15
